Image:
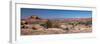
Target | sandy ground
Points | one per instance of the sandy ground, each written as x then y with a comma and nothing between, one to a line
53,31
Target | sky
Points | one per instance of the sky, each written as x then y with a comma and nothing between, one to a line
55,13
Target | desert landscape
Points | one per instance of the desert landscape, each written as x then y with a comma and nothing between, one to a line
36,21
35,25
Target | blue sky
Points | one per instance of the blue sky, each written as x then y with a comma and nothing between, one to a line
53,13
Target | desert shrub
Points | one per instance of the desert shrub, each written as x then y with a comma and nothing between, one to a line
73,23
86,23
55,25
44,25
49,24
81,23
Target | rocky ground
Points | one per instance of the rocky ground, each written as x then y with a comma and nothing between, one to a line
52,31
38,26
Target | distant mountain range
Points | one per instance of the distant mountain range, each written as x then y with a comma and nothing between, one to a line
63,19
72,19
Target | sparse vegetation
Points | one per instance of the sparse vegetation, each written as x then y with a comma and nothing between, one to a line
37,26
